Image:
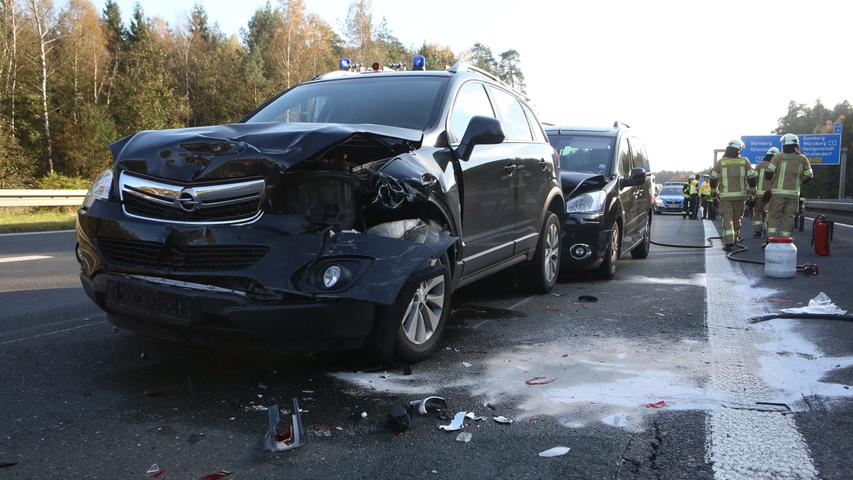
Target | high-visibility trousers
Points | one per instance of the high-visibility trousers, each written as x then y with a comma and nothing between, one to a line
731,211
780,215
759,211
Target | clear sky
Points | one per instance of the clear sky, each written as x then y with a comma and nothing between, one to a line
689,75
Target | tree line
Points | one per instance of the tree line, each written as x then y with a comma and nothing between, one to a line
73,78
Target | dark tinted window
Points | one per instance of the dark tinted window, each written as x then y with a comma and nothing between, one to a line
584,153
625,160
406,102
640,160
538,134
470,102
512,117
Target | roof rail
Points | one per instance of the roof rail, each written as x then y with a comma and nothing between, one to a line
467,67
617,123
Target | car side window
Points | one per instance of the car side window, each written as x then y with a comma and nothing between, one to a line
513,120
639,154
538,134
471,101
625,160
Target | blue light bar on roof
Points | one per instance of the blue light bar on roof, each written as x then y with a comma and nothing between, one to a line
344,63
419,62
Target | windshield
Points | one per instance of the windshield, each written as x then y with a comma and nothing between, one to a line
584,153
670,191
401,101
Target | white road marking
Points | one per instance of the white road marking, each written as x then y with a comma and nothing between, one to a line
480,324
742,442
55,332
837,223
522,302
24,258
35,233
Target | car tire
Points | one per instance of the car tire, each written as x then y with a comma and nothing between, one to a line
642,250
657,212
607,269
539,275
410,329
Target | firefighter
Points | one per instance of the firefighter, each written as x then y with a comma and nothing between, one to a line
762,193
731,176
685,202
694,198
705,194
783,175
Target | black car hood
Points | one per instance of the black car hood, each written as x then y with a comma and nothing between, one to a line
577,182
248,149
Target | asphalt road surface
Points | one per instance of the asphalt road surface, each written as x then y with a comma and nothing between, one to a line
735,399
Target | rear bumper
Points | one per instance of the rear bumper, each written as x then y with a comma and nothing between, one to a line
218,319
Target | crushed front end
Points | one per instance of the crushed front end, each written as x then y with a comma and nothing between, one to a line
277,237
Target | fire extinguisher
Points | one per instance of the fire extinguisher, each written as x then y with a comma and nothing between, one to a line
822,229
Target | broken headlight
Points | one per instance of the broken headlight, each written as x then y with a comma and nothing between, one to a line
100,190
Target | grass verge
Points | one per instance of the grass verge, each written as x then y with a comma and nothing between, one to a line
13,220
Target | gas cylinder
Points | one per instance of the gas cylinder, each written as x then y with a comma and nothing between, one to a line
780,257
822,229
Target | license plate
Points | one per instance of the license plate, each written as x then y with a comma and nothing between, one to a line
140,300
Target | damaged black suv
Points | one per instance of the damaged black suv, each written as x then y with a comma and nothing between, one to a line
342,213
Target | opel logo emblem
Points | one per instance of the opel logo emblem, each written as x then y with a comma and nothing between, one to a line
187,200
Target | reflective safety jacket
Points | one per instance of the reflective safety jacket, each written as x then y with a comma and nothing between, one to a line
788,170
694,187
732,174
685,190
706,189
762,186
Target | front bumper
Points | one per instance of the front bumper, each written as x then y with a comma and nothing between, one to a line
274,302
594,234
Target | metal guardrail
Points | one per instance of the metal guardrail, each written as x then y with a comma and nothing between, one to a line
832,205
41,198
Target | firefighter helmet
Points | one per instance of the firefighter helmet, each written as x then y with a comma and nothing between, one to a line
772,151
790,139
736,144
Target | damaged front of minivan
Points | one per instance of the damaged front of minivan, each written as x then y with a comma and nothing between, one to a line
274,235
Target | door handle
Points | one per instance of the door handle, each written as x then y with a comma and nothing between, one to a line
543,164
510,169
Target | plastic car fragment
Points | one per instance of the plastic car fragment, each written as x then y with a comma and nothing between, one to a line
540,380
821,304
464,437
283,439
456,424
502,420
555,452
429,404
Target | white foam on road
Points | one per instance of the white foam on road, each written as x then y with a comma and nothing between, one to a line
24,258
742,442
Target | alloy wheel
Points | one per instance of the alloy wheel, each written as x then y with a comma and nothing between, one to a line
424,311
552,252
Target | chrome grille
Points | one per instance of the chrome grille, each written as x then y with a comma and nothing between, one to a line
150,199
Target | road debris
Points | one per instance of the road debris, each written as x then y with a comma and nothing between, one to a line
659,404
502,420
464,437
7,464
429,404
399,419
467,364
588,298
555,294
473,416
555,452
821,304
255,408
456,424
540,380
552,309
216,475
155,471
287,437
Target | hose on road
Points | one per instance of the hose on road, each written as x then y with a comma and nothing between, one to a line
807,268
820,316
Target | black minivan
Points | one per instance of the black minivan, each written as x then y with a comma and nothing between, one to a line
607,184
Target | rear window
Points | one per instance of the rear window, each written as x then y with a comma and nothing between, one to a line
584,153
402,101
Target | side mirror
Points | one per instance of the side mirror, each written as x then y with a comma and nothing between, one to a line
481,130
638,177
